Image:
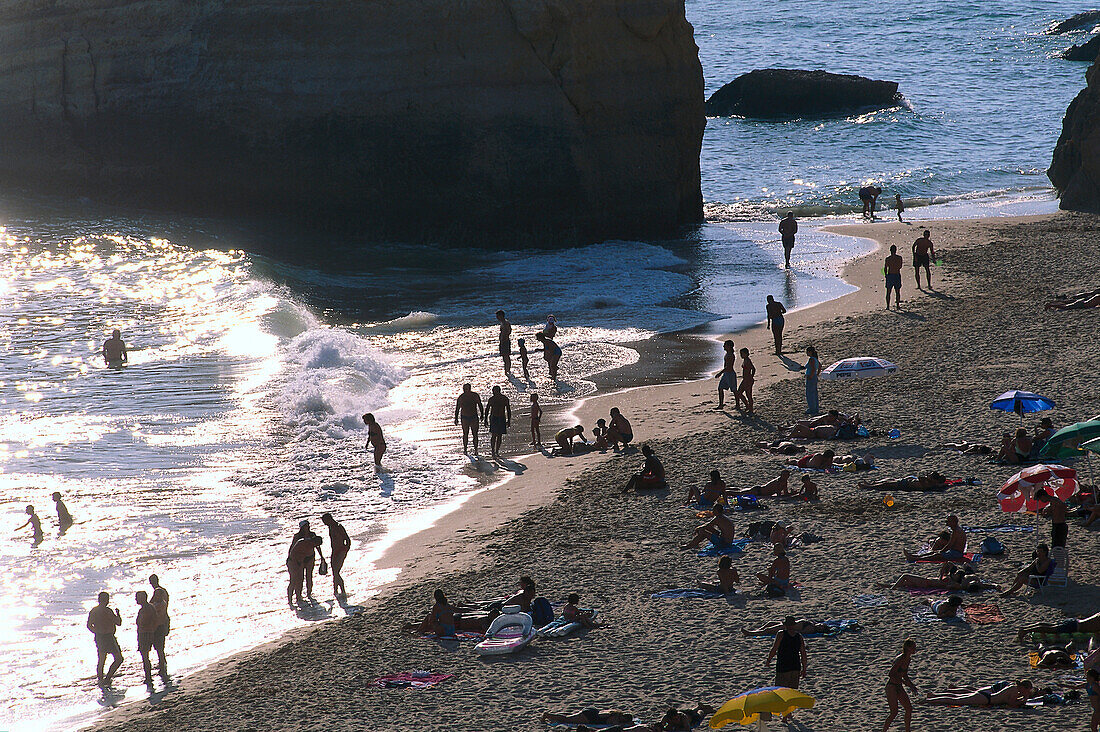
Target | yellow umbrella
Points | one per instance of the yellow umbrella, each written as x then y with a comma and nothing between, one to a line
746,708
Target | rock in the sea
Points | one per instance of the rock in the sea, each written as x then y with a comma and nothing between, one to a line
484,117
1089,18
1075,167
1087,51
774,93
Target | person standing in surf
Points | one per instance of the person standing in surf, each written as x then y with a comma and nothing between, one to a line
498,418
551,351
505,341
524,361
103,622
469,409
36,526
900,206
159,601
788,227
536,419
340,542
775,311
64,518
147,622
375,438
114,350
551,328
727,376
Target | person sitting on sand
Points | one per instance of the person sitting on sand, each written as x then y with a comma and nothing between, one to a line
564,438
1089,625
710,494
599,436
815,460
1017,449
777,580
1043,432
440,620
574,614
932,481
777,486
1041,566
619,431
781,447
1001,694
950,546
525,596
946,608
801,625
808,491
719,530
727,577
652,475
781,533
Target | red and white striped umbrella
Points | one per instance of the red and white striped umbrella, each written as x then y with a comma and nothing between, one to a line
1017,494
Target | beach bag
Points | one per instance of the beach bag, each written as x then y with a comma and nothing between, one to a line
991,546
542,612
746,502
846,432
322,568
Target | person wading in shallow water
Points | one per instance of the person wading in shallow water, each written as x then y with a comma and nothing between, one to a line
340,542
498,418
505,347
788,227
103,622
375,438
114,350
469,409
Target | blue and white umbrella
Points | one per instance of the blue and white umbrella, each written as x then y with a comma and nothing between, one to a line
1021,402
862,367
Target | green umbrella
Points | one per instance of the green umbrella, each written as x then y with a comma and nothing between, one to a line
1066,442
1091,445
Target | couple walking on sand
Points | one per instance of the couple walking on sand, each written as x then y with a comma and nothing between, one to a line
924,253
305,547
727,378
153,625
496,414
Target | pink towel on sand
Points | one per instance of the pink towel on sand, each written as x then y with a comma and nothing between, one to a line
983,614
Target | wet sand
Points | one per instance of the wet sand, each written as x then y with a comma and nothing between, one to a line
982,331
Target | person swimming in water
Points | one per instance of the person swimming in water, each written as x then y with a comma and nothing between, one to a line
114,350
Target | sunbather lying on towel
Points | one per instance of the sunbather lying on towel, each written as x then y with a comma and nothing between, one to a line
956,579
589,716
719,530
1001,694
775,487
825,427
727,578
772,627
968,448
946,608
1091,624
924,482
781,447
1054,656
816,460
710,493
1075,301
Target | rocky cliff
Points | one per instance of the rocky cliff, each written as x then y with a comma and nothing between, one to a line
478,117
1075,168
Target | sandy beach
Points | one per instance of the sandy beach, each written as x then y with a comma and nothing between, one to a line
981,331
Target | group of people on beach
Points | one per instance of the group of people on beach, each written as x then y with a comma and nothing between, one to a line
551,351
153,625
924,253
304,553
64,520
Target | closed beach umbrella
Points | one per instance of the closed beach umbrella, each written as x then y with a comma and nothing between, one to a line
1021,402
862,367
1018,492
746,708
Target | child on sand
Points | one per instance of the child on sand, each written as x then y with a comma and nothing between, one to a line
536,411
523,358
574,614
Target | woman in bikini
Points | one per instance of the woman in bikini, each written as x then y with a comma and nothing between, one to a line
896,681
802,625
748,375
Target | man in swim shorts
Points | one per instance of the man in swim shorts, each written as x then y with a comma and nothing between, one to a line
505,346
564,438
727,377
619,431
788,227
951,550
469,409
923,253
893,267
103,622
1056,509
498,417
114,350
147,621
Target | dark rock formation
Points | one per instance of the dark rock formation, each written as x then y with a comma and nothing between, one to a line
1087,51
1075,168
1089,18
773,93
486,117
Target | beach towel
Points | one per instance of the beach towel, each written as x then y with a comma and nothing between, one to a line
736,547
837,627
459,636
982,614
869,601
1063,638
968,557
999,529
924,614
690,593
1033,660
410,680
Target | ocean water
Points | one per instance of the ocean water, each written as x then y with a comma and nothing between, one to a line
239,412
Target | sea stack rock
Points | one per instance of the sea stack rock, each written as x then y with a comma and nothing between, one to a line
1075,168
486,119
777,93
1087,51
1087,19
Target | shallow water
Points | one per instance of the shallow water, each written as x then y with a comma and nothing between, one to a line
239,412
